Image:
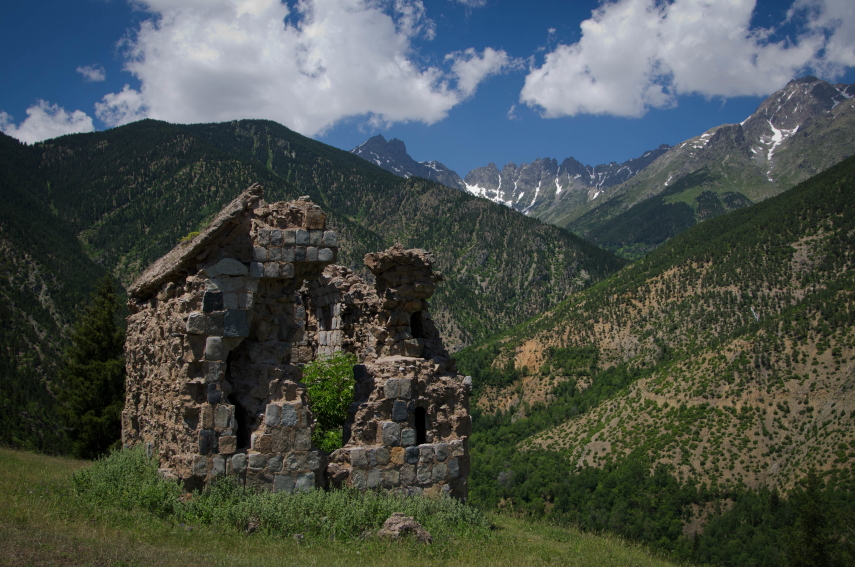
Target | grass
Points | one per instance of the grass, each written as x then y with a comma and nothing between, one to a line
44,522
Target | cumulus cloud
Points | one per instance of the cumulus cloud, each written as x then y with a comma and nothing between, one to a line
471,68
218,60
640,54
45,120
92,73
473,3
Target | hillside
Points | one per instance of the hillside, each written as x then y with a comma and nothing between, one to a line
683,322
725,359
795,133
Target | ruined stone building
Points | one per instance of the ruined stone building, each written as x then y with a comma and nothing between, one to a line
220,327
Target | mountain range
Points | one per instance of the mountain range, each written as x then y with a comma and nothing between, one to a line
635,206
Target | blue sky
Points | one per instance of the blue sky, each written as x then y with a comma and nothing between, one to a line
464,82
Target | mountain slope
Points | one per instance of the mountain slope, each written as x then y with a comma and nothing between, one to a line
795,133
130,193
393,157
727,355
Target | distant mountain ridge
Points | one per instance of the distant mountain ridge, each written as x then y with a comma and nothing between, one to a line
393,157
539,186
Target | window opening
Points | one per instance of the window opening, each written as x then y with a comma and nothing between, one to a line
421,426
417,327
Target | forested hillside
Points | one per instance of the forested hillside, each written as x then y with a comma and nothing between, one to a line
724,361
82,205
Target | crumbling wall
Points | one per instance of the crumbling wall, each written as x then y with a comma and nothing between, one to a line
221,326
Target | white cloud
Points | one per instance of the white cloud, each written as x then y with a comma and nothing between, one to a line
45,120
218,60
471,68
120,108
92,73
473,3
640,54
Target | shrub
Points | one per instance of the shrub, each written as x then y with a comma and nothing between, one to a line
329,383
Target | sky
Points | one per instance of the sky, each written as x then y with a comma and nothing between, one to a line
463,82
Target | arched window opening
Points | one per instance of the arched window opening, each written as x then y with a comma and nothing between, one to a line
417,327
242,431
421,426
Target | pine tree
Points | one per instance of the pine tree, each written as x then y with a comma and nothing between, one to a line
92,380
812,539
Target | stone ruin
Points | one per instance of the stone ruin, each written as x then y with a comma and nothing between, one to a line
220,328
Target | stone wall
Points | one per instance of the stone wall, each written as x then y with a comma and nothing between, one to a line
218,332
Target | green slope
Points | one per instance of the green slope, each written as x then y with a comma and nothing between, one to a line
664,367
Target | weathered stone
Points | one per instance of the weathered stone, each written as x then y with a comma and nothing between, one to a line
423,473
325,255
453,468
408,437
259,254
398,525
316,237
218,466
359,479
200,465
214,349
289,237
228,444
275,463
271,270
212,301
305,482
238,463
330,238
283,483
312,254
222,416
441,450
438,472
302,237
257,461
289,416
272,415
391,433
226,267
236,324
412,455
256,270
276,237
399,410
358,458
196,323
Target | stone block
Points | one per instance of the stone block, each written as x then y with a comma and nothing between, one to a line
213,393
382,456
305,482
274,254
405,388
214,349
330,238
408,437
207,417
399,411
238,463
257,461
207,441
325,255
312,254
303,440
230,300
313,461
222,416
289,237
200,465
212,301
408,475
396,455
228,444
412,455
283,483
226,267
442,451
275,463
453,468
286,270
263,237
359,479
288,254
316,237
236,323
272,415
259,254
196,323
391,478
256,270
262,443
271,270
391,433
276,237
426,453
215,323
289,416
438,472
390,388
302,237
218,466
375,477
358,457
300,254
423,473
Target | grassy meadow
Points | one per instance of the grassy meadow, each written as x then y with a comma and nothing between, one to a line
44,520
